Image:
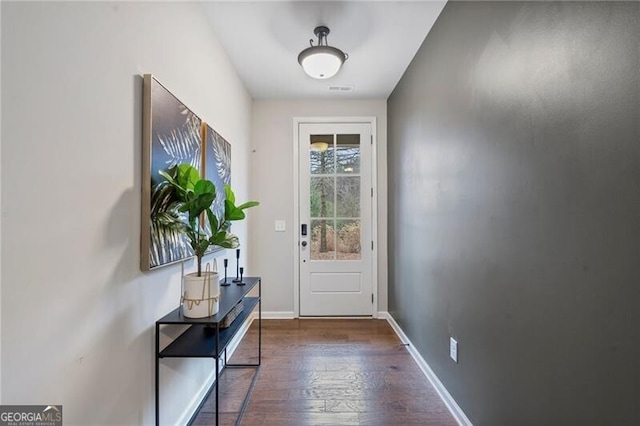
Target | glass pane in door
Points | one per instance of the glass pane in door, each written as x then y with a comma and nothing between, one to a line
348,153
323,239
348,241
322,197
348,196
322,155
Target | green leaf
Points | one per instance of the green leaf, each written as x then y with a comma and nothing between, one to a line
229,195
248,205
213,221
204,186
188,176
217,238
200,203
225,240
231,241
231,212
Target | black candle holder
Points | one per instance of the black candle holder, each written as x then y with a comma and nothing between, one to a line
237,279
241,272
224,282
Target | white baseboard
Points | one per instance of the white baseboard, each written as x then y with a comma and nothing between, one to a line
202,392
278,315
446,397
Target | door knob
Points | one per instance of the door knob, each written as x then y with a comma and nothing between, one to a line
304,244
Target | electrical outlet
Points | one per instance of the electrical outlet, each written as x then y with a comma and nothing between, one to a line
453,349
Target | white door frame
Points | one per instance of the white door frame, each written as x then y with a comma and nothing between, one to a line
297,121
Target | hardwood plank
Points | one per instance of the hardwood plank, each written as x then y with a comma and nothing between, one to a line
287,405
406,419
302,419
363,405
284,375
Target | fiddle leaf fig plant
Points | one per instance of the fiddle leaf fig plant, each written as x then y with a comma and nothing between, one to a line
194,199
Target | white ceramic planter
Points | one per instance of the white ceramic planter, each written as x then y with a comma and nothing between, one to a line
201,295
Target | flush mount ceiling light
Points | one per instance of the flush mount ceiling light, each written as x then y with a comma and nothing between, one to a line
321,61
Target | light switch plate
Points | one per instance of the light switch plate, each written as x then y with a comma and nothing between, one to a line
280,226
453,349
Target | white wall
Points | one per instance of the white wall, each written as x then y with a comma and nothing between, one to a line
77,313
274,253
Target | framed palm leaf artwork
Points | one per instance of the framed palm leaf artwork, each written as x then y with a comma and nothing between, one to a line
216,164
173,134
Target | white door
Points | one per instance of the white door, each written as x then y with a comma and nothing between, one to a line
335,219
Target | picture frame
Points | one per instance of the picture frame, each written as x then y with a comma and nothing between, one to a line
173,134
216,165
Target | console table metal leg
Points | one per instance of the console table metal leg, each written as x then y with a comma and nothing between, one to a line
217,375
157,375
259,322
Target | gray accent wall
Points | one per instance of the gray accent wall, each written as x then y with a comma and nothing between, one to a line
514,209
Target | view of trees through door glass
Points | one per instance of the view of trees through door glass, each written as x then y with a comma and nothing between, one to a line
335,197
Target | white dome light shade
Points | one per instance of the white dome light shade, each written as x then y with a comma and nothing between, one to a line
321,61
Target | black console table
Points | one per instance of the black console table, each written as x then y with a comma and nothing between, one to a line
205,339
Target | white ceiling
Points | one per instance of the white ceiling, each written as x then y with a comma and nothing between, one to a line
263,40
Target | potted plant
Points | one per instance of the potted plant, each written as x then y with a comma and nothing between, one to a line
192,215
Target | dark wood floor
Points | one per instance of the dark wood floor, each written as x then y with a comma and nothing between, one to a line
327,372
